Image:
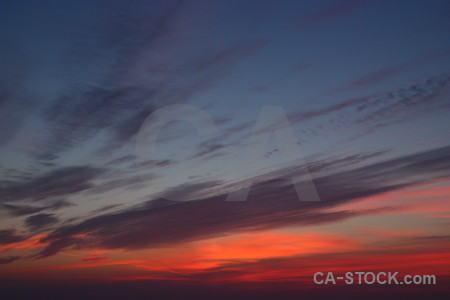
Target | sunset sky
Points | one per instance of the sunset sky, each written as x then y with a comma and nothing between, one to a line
359,89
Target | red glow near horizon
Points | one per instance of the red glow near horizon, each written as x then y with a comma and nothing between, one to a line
288,255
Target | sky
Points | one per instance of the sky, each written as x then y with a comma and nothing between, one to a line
231,148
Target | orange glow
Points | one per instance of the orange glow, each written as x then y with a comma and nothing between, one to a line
31,243
271,244
289,255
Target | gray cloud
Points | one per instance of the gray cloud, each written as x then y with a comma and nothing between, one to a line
383,74
40,221
271,204
333,12
155,73
60,182
23,210
8,259
9,236
373,112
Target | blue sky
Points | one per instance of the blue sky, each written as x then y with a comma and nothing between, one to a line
362,83
230,58
81,77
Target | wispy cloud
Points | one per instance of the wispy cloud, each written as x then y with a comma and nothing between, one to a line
120,112
333,12
23,210
9,236
386,73
272,204
382,109
8,259
57,183
40,221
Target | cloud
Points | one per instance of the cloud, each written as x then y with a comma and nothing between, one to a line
340,163
201,74
97,258
386,73
94,44
333,12
126,159
76,118
56,183
11,117
150,71
232,55
80,112
8,259
304,116
125,183
186,192
152,163
107,207
386,175
299,268
8,236
271,204
228,137
376,111
415,94
40,221
121,111
13,106
296,70
58,204
155,227
207,149
23,210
